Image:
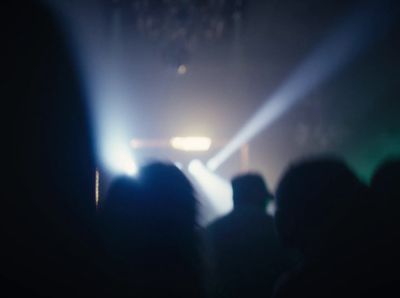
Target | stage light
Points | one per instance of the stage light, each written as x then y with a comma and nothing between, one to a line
124,163
217,190
182,69
356,31
191,143
119,158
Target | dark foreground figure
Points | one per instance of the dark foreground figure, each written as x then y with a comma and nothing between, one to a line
47,202
246,257
324,211
384,244
150,234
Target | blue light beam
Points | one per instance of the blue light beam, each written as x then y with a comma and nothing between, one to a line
355,33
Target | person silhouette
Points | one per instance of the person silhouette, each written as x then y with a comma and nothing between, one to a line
151,234
121,230
48,202
320,204
246,256
172,231
384,237
385,188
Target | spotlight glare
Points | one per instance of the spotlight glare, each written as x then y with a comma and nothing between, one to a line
191,143
120,160
126,165
218,190
131,169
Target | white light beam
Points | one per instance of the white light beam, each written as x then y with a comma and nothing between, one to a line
355,33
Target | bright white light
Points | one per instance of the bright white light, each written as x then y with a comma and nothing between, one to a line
182,69
131,169
218,190
195,166
120,160
346,41
191,143
123,162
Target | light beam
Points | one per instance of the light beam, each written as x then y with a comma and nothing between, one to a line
218,190
356,31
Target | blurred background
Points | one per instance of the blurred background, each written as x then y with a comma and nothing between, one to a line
154,70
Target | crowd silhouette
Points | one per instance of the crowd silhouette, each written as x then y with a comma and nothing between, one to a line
245,253
150,235
331,236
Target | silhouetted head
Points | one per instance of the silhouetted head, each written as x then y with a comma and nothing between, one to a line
314,200
250,189
170,196
170,234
